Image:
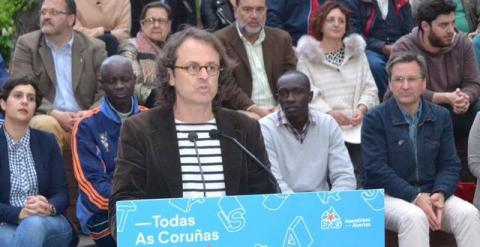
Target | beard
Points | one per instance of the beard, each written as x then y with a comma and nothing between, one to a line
436,41
248,31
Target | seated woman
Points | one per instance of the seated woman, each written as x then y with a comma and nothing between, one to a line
338,70
33,185
142,51
474,156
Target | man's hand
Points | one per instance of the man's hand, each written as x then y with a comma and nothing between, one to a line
424,202
65,119
340,117
387,49
438,203
463,102
262,111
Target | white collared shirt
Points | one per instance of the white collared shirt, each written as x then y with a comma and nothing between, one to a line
62,60
261,92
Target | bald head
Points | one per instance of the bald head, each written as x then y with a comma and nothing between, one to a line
115,62
294,77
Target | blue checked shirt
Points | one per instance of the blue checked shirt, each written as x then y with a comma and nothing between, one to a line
23,177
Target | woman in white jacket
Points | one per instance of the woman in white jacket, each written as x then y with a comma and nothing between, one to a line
339,74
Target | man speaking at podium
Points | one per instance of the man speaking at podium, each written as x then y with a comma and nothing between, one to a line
168,152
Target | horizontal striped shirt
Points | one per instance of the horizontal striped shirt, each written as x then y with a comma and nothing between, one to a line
202,173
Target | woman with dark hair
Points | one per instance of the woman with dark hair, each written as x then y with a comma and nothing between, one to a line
172,150
339,74
33,185
155,22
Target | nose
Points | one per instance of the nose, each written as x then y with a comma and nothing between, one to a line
405,84
203,73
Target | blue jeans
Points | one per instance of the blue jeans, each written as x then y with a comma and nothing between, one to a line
377,62
37,231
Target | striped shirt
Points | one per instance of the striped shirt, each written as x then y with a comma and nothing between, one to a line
23,176
261,92
207,179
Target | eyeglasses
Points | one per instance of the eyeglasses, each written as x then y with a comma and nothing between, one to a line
333,20
152,20
52,12
195,69
400,79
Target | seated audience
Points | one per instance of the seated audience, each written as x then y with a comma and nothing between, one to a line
95,139
381,23
339,74
65,64
293,16
453,76
409,151
157,150
142,51
262,54
217,14
302,141
474,156
33,184
107,20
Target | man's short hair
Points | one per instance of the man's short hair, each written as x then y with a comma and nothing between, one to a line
13,82
429,10
166,93
407,57
153,5
71,7
301,76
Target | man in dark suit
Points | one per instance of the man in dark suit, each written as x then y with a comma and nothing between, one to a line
65,64
262,54
155,148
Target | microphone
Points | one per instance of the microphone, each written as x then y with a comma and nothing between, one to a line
193,137
216,134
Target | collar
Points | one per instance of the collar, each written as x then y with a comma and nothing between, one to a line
283,121
260,39
68,45
409,117
112,114
24,141
398,118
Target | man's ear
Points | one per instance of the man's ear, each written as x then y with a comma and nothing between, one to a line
425,26
3,104
310,96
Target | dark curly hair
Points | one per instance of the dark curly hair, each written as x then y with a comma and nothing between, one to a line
321,16
14,82
429,10
165,93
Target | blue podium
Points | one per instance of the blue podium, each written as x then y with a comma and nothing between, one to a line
350,218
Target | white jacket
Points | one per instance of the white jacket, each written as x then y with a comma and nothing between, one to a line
340,88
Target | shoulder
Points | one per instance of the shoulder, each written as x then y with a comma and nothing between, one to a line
355,45
88,119
45,139
145,121
325,121
88,42
308,48
227,32
273,32
31,39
